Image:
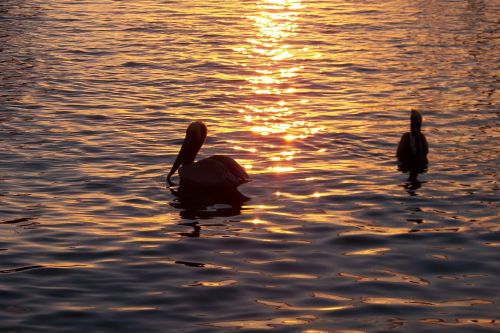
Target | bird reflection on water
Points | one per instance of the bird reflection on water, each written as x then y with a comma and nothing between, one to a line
207,203
412,183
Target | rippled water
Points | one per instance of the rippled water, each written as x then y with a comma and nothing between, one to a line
312,98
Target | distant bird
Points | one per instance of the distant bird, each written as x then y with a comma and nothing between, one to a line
413,148
217,171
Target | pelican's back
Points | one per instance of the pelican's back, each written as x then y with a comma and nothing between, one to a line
412,152
412,147
214,172
233,167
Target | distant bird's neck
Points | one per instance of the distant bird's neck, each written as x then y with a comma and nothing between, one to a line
415,142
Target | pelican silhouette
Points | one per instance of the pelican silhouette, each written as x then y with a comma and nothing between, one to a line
217,171
413,148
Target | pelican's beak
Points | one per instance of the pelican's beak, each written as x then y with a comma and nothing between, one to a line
176,165
182,157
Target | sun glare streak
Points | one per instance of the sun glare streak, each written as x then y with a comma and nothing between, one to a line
282,169
274,59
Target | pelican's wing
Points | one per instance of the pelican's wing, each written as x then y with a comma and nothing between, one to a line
233,167
209,172
404,147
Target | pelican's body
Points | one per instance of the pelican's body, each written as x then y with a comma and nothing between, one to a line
217,171
413,148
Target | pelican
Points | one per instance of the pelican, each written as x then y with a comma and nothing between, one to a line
413,148
217,171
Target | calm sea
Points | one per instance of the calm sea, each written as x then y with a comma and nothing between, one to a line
312,98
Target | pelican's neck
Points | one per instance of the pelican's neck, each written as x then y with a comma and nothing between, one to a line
195,137
415,130
415,123
189,151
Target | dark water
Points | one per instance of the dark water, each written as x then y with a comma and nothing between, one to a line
312,98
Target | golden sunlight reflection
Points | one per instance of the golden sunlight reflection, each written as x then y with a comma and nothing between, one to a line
271,227
222,283
368,252
462,322
133,308
331,297
264,262
258,221
285,306
402,301
265,324
275,59
389,277
280,169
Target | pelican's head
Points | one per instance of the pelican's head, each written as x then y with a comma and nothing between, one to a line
195,136
415,121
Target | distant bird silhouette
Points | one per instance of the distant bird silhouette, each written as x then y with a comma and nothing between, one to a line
215,172
413,148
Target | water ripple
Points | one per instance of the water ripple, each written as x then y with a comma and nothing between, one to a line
311,97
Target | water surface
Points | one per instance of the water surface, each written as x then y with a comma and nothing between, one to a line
312,98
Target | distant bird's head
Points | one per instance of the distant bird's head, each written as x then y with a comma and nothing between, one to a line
415,122
195,137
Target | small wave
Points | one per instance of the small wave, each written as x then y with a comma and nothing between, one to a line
20,269
15,221
136,64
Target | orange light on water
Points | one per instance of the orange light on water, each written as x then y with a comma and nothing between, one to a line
282,55
257,221
290,137
273,58
280,4
264,80
252,150
282,169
